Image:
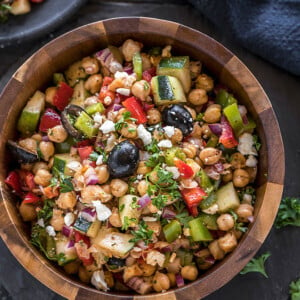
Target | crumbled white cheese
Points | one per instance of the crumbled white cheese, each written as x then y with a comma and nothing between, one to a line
98,281
251,161
149,219
98,118
123,91
127,80
120,75
247,198
50,230
74,165
41,222
139,176
107,100
115,66
69,219
174,171
212,209
99,160
103,212
144,135
169,131
155,258
246,144
165,144
107,126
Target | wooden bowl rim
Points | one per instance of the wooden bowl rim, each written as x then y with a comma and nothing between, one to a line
265,214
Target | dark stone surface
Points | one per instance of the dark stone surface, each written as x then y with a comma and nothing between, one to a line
283,91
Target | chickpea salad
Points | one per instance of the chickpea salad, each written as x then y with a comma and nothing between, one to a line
135,169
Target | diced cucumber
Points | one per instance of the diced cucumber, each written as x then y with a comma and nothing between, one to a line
209,201
65,146
85,124
116,244
94,108
199,232
82,225
58,77
137,65
74,73
234,117
94,229
30,115
167,90
186,257
210,221
128,210
172,231
177,66
69,254
61,161
227,198
79,94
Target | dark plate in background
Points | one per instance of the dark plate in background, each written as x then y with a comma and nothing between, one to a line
42,19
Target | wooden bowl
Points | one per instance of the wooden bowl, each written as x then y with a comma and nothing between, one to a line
56,56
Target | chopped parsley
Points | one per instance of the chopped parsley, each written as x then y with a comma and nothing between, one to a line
121,208
257,265
126,116
184,218
61,180
289,212
142,233
256,142
4,11
237,225
134,203
127,222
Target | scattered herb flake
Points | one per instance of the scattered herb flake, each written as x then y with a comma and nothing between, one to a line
142,233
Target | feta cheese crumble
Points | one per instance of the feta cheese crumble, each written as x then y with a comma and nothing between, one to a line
174,171
169,131
144,135
103,212
69,219
99,160
123,91
107,126
165,144
245,145
98,281
41,222
50,230
251,161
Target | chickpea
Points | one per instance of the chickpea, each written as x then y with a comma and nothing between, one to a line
166,51
195,68
91,100
153,116
238,160
50,163
228,242
27,167
153,177
238,234
161,282
142,168
210,155
57,220
147,269
189,150
227,177
109,279
106,188
225,222
189,272
202,262
154,226
215,250
93,83
84,275
191,111
152,208
94,192
158,134
132,271
204,82
37,137
129,48
72,267
172,279
115,219
177,136
142,187
206,132
244,211
42,177
66,200
252,173
145,61
197,130
175,266
50,93
47,149
141,89
102,173
212,113
197,97
118,187
129,130
240,178
28,144
28,212
57,134
90,65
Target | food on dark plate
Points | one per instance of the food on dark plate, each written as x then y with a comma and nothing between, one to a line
135,169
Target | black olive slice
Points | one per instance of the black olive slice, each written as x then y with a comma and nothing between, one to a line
22,155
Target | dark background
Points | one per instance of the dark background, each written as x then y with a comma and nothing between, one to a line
283,90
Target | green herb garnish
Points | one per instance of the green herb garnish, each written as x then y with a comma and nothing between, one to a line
142,233
295,290
257,265
289,212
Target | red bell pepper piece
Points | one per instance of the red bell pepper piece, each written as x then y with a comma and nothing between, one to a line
79,237
63,94
107,81
148,74
104,91
227,137
84,143
192,198
14,181
82,245
31,198
29,180
49,119
136,109
184,169
85,152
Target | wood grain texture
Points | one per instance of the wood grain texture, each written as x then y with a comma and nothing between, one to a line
56,55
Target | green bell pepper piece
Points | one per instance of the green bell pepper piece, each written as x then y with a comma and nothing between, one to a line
205,181
213,141
85,124
137,65
234,118
58,77
199,232
250,125
209,221
173,152
172,231
224,98
94,108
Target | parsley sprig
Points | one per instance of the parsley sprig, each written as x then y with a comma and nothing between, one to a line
295,290
257,265
61,180
142,233
126,116
289,212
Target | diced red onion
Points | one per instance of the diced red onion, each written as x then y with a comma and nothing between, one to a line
71,244
45,138
195,141
117,107
245,120
144,155
139,144
242,110
251,219
147,106
210,259
89,214
166,249
179,280
142,245
144,201
128,68
212,173
168,213
219,167
103,55
67,231
92,179
215,128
